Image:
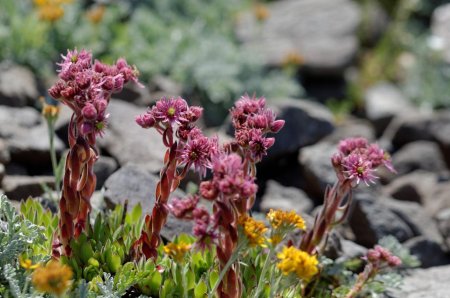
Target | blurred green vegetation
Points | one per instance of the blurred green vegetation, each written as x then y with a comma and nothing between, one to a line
190,42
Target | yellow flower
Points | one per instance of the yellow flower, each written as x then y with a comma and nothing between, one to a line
261,12
293,260
292,58
50,10
96,13
283,219
177,250
27,264
54,278
253,229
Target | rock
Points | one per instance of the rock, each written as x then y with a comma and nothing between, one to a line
443,222
163,86
428,252
317,169
306,123
421,155
438,199
321,32
412,187
440,24
103,168
5,157
371,220
134,94
416,218
127,142
431,282
137,185
277,196
26,138
351,250
382,103
18,86
22,187
2,173
410,127
440,130
351,128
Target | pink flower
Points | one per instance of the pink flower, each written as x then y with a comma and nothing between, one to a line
145,120
170,110
358,168
259,145
348,145
183,208
197,151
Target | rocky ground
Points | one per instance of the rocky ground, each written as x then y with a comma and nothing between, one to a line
413,206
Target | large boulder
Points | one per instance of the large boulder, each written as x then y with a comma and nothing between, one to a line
321,32
127,142
18,86
137,185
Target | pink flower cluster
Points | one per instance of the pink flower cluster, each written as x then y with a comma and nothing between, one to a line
252,121
357,160
86,88
380,255
170,115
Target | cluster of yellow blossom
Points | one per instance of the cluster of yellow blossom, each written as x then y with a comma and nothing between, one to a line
177,250
284,219
261,12
95,13
50,10
253,229
54,278
293,260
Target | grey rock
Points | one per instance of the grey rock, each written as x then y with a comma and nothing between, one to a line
26,137
382,103
18,86
351,250
5,157
443,222
421,155
2,173
438,199
428,252
351,128
322,32
440,24
129,143
412,187
134,94
137,185
103,168
371,220
431,282
410,127
306,123
277,196
317,169
440,130
22,187
163,86
416,218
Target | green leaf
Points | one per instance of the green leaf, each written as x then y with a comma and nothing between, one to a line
135,215
213,277
200,289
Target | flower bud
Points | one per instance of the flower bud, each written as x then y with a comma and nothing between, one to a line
277,125
89,112
145,120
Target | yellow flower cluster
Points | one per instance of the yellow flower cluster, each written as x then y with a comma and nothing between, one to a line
96,13
293,260
261,12
253,229
50,10
177,250
27,264
54,278
283,219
